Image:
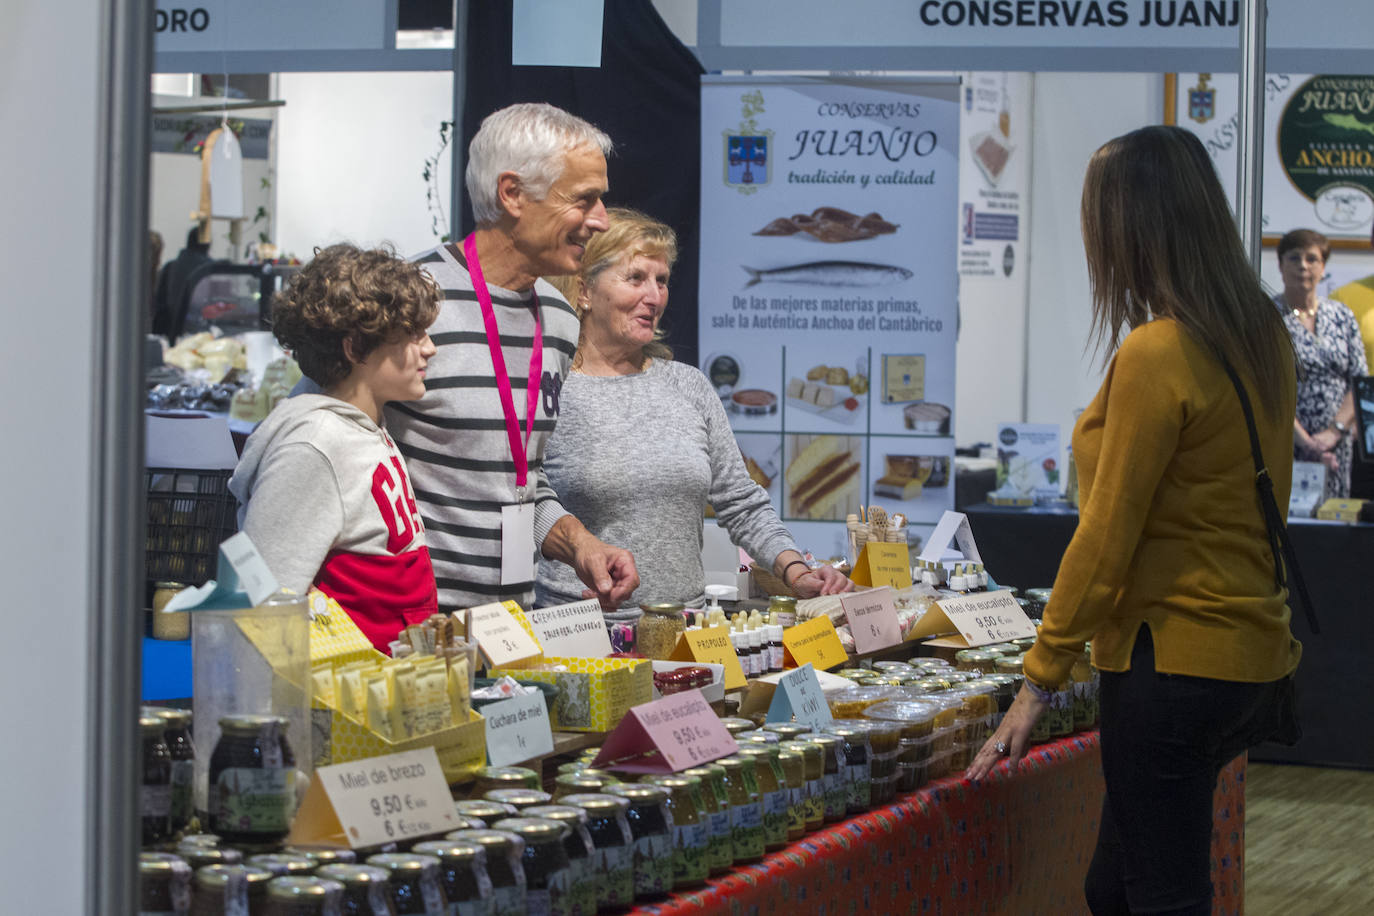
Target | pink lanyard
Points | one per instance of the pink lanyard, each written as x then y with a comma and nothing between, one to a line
518,447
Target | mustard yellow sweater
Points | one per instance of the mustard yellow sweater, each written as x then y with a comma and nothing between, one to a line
1170,531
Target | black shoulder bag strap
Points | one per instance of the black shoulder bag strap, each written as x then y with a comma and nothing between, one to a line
1273,519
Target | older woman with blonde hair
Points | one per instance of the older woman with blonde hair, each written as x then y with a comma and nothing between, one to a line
1170,572
643,444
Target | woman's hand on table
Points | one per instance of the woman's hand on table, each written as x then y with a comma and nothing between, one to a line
1325,440
1013,734
822,580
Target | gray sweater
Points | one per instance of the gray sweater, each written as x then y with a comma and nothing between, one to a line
636,458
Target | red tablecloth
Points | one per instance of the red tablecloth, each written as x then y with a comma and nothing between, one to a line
1011,845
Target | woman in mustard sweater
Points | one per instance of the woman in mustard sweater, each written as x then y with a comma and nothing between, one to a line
1170,572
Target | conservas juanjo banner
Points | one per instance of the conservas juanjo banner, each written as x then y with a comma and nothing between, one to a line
829,291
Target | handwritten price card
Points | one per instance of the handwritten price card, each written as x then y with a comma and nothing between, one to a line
517,730
502,640
799,696
980,619
881,563
872,619
675,733
711,646
377,800
574,630
814,642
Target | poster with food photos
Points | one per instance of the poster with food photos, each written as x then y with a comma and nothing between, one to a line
829,284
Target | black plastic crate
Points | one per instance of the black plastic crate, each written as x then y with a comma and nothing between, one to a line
189,514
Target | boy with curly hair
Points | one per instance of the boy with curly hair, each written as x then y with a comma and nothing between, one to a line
323,490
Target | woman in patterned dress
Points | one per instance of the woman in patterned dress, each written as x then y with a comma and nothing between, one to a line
1330,354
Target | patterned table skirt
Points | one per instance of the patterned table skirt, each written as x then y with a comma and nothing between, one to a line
1008,846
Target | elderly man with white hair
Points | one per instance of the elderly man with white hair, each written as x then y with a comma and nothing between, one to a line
474,444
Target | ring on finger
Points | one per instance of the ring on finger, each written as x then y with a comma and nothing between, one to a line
1001,748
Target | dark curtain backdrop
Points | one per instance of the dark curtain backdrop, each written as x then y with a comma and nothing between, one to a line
646,96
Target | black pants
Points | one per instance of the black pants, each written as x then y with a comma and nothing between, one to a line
1164,740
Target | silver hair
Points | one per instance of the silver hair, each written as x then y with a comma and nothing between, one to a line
529,139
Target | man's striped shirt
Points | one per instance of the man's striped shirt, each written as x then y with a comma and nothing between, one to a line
454,438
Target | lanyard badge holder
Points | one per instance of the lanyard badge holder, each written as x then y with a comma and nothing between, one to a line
517,521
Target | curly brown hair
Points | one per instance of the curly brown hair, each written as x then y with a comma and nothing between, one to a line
365,296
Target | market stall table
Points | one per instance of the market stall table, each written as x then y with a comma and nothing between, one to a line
1012,844
1023,547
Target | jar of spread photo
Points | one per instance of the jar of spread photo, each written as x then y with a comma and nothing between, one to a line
577,843
155,790
412,883
164,885
364,889
303,896
252,791
505,868
548,873
609,828
651,826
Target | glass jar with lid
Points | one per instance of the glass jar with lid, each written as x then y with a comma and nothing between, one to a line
858,788
785,606
519,799
229,890
548,874
413,883
836,780
303,896
505,867
155,790
1084,679
813,799
252,792
772,793
746,808
177,733
364,889
199,857
794,770
164,884
283,863
787,730
489,778
651,826
659,629
462,873
484,810
736,725
716,802
609,828
691,828
324,855
577,843
581,783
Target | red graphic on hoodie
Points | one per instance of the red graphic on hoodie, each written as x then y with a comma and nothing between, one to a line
392,494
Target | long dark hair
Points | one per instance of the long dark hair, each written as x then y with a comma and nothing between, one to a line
1160,242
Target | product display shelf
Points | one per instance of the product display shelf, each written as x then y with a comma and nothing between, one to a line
1011,844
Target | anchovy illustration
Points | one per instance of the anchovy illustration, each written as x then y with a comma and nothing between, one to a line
831,273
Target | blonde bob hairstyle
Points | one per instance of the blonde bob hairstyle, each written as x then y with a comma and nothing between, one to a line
1161,243
631,234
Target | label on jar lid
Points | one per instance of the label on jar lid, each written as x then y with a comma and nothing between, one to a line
576,630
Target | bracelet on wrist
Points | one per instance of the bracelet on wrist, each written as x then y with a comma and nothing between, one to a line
801,563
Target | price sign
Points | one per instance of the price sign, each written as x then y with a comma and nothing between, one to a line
872,619
377,800
799,696
675,733
253,575
979,619
574,630
502,640
814,642
712,646
882,563
517,730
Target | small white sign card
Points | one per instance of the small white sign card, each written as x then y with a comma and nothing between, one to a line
254,576
517,729
574,630
799,696
979,619
953,526
872,618
502,640
376,800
